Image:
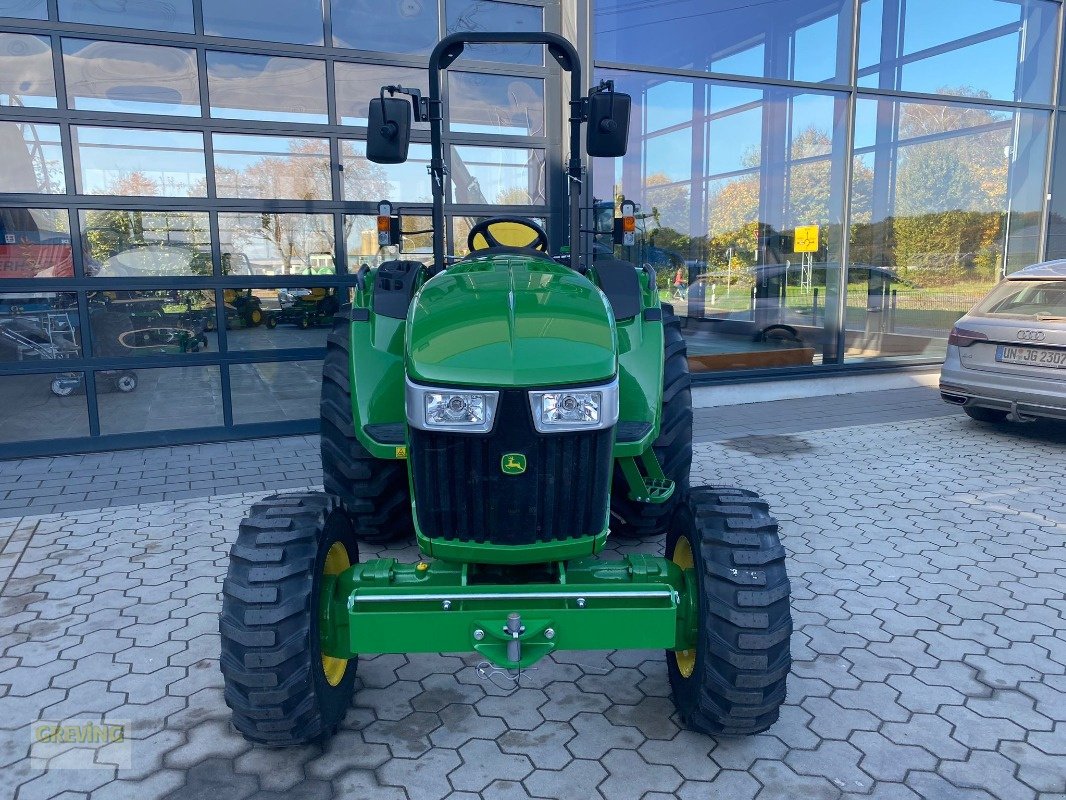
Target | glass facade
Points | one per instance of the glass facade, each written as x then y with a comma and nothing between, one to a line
185,197
827,183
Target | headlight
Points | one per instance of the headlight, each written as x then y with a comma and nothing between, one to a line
585,408
459,410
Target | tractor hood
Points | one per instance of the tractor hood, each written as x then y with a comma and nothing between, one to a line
510,320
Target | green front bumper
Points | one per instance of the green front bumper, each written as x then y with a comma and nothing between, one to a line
381,606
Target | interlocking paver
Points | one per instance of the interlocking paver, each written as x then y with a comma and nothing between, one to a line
928,645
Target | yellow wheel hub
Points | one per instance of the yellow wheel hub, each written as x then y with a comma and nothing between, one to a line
682,556
336,562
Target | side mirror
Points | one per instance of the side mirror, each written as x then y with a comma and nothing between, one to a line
388,130
608,125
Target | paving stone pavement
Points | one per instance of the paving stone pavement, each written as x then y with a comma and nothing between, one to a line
928,567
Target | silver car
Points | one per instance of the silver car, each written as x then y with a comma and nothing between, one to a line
1007,357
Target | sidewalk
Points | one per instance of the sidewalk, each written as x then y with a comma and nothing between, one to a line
131,477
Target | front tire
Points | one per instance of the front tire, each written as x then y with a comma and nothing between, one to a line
282,690
631,519
374,490
733,682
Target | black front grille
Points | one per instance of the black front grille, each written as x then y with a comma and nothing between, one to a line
462,493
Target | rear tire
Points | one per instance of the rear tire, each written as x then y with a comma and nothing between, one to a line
276,680
374,490
985,414
630,519
733,683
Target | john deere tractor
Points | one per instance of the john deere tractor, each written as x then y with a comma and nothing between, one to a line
510,410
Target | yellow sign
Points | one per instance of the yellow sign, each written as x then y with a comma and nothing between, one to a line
401,452
806,239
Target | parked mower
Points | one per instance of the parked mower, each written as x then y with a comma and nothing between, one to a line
511,410
308,310
241,308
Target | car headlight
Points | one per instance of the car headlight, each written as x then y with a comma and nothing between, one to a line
459,410
585,408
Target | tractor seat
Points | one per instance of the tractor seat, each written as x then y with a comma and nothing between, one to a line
619,281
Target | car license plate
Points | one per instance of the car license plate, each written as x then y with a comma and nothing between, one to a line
1031,356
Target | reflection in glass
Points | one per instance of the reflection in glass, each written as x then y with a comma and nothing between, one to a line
947,197
465,16
39,326
47,406
279,390
497,175
31,158
24,9
26,76
361,236
295,21
272,243
244,86
808,40
933,46
722,188
138,400
120,243
357,84
482,103
153,15
35,243
140,163
395,27
131,78
284,318
136,324
272,167
364,180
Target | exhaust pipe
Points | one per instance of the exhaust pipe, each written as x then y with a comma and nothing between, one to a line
954,399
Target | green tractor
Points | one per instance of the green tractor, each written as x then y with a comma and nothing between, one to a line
510,410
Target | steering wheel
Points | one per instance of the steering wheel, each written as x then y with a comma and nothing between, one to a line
507,232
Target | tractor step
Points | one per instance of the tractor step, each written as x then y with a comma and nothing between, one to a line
647,482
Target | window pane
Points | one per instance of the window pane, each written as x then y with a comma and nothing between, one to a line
407,27
24,9
932,46
39,326
145,244
398,183
358,84
485,15
153,15
288,317
497,175
136,324
35,243
140,163
26,76
481,103
138,400
296,21
362,241
272,167
272,243
808,40
281,390
721,191
946,199
48,406
131,78
244,86
31,158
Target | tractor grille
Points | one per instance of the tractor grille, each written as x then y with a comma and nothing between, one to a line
462,493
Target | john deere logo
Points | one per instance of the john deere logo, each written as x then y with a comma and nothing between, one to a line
513,464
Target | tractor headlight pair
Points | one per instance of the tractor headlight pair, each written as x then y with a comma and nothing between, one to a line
554,410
